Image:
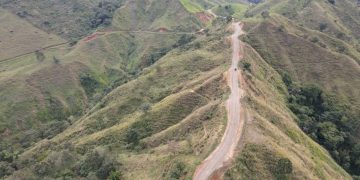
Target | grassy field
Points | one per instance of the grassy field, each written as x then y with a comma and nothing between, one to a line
191,6
19,37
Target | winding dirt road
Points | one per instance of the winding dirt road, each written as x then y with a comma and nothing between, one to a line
225,151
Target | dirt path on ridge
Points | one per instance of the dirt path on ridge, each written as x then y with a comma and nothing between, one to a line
223,154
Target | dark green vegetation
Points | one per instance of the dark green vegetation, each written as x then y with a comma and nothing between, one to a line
326,120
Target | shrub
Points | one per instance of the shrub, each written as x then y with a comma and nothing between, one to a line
331,2
323,26
92,162
341,49
39,55
42,168
7,156
89,84
229,10
5,169
178,171
246,66
145,107
284,166
103,14
132,137
115,175
265,14
314,39
105,170
184,39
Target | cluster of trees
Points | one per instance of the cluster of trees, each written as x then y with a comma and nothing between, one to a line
95,162
326,120
89,83
103,13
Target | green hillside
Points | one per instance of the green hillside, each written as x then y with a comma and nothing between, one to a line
137,89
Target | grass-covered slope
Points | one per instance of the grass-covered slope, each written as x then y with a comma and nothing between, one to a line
339,19
69,19
319,65
310,57
46,91
20,37
154,15
273,146
172,114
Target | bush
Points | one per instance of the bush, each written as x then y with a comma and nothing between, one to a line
331,2
103,14
89,84
265,14
7,156
5,169
178,171
284,166
92,162
246,66
323,26
104,171
39,55
115,175
184,39
229,10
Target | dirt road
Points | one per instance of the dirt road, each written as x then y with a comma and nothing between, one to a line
224,152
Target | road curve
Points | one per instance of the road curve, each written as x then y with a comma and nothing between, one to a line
225,150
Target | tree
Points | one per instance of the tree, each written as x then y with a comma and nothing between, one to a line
323,26
178,171
132,137
229,19
247,66
265,14
329,135
332,2
284,166
145,107
39,55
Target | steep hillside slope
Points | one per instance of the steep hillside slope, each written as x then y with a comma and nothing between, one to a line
20,37
320,68
273,146
152,15
69,19
45,91
165,116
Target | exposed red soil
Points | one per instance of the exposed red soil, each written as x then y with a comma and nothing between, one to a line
203,17
163,30
93,36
